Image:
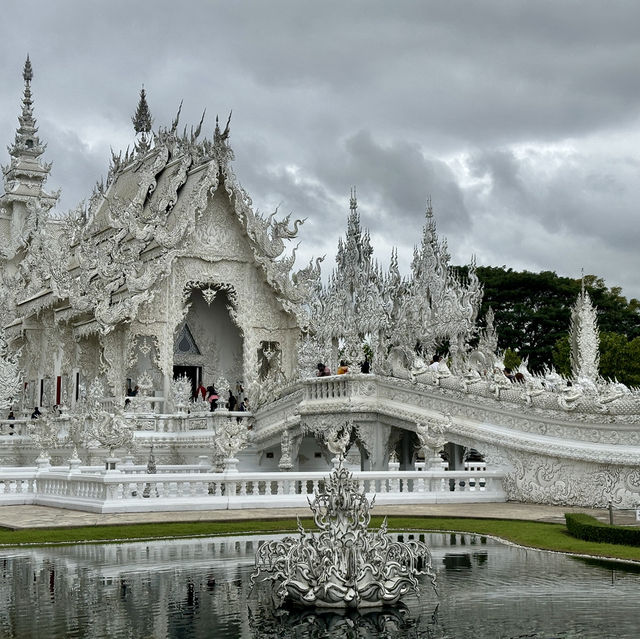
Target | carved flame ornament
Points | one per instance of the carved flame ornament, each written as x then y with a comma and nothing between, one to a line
344,565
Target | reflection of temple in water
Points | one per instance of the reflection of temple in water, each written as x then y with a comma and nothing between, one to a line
192,588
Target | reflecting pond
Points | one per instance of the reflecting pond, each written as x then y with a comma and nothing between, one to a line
199,588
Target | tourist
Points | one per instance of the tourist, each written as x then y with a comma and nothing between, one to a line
343,369
127,403
11,415
242,407
509,375
246,404
201,390
134,392
519,377
435,363
365,366
231,404
323,371
212,397
36,413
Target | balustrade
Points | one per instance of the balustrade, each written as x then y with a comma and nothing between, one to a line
334,387
133,492
11,427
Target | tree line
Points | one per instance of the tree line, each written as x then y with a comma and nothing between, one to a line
532,314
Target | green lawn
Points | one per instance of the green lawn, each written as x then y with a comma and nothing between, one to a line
525,533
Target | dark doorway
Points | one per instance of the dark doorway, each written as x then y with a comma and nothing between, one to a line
194,373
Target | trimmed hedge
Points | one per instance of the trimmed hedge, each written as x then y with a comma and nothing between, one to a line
590,529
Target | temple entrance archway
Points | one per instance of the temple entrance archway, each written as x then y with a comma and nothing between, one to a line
208,344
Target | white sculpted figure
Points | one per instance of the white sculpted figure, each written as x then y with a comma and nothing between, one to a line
432,438
231,437
113,431
344,565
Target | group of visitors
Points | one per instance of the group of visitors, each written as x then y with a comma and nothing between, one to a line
322,370
209,394
518,377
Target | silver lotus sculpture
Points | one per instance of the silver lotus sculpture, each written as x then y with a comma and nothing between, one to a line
343,565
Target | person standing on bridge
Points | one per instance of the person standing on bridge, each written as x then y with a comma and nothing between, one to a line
323,371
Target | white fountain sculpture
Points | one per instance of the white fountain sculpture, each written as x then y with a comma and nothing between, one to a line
344,565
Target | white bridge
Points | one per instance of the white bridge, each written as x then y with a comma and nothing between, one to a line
537,448
554,447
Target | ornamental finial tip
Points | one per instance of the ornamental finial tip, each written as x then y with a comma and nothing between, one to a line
27,72
429,207
141,119
353,200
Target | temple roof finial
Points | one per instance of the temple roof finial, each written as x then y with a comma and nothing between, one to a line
353,200
142,120
25,176
27,143
429,207
221,137
27,73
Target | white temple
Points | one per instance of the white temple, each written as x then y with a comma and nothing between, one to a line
168,279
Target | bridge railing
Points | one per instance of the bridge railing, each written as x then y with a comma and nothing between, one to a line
334,387
131,492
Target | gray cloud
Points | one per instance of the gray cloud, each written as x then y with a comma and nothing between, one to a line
520,119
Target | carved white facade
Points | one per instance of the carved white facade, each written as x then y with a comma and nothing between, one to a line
169,278
167,269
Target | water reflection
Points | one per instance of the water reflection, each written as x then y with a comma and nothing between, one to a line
200,588
269,623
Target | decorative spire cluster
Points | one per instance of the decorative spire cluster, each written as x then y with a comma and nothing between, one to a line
362,304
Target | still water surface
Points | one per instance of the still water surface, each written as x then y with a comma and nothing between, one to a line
186,589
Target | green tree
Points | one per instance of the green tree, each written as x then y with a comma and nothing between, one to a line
619,357
511,359
562,356
532,310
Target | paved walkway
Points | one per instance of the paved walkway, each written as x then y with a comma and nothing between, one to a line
18,517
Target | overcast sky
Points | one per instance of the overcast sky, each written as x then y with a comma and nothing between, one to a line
521,120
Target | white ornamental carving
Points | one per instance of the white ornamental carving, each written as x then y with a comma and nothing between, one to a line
113,431
584,339
181,392
344,565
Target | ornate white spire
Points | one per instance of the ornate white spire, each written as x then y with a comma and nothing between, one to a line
25,175
27,143
25,202
584,338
